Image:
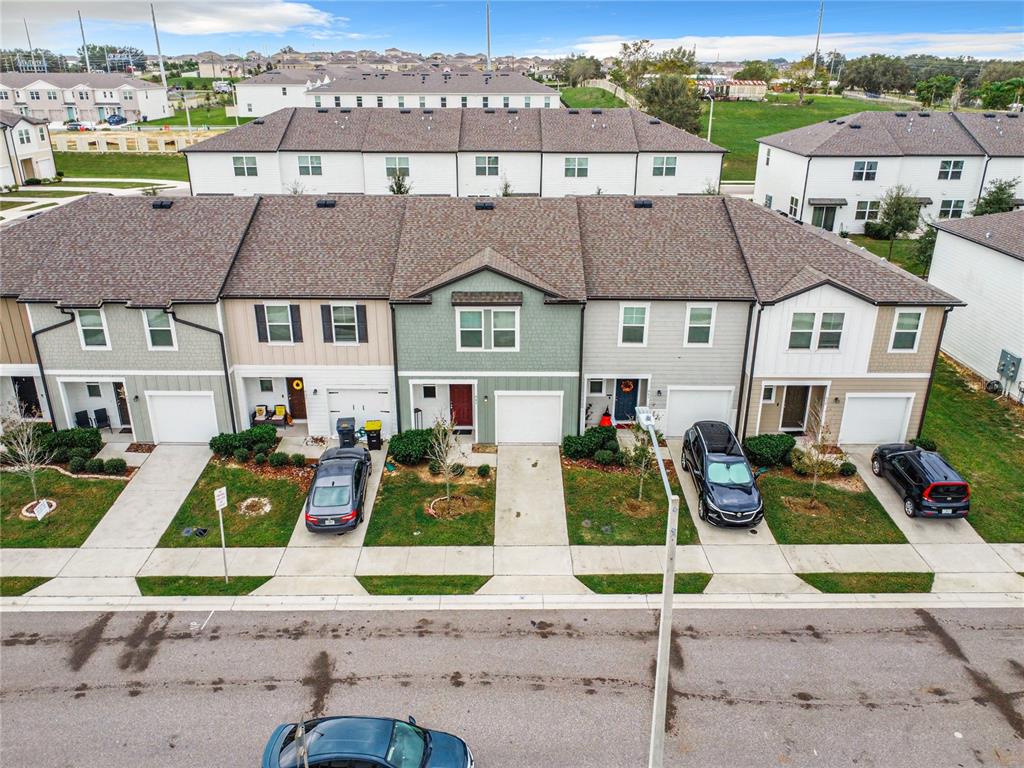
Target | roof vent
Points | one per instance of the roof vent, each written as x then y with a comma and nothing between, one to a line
1013,115
901,114
595,111
257,122
513,111
344,111
643,202
574,111
484,206
990,114
925,114
855,125
404,111
428,111
488,111
326,203
162,204
840,122
322,111
654,121
832,120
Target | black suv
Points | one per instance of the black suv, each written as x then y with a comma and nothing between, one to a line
726,491
335,500
928,485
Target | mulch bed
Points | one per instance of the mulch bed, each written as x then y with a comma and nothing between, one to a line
301,476
615,468
854,483
141,448
468,477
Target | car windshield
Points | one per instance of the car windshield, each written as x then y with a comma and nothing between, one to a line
408,743
331,496
729,473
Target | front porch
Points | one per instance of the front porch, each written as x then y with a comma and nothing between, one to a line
455,400
796,408
99,403
618,396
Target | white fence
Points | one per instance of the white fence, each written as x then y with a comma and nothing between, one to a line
607,85
131,142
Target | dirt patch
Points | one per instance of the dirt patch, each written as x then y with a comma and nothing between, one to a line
806,507
640,509
484,448
454,507
469,477
301,476
255,506
854,483
140,448
86,641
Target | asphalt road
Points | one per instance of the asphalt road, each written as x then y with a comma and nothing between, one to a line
750,688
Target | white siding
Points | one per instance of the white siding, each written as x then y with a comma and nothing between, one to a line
429,173
1006,168
213,173
267,98
695,173
433,100
342,172
611,173
782,178
520,169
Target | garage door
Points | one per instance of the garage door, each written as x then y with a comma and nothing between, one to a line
361,404
685,406
528,417
875,419
182,417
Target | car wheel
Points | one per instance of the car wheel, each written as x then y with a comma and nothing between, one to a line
702,510
909,507
876,467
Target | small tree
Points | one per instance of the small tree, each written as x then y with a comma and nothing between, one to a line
924,247
803,77
818,451
899,213
673,99
640,456
296,188
399,185
27,450
506,188
443,445
998,197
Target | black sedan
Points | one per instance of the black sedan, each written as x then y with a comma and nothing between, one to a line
365,742
334,503
925,481
726,492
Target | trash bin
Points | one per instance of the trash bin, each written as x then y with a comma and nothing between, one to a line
373,441
347,432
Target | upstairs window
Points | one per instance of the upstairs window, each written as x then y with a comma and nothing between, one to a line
159,329
465,101
24,136
380,101
42,135
830,332
444,102
309,165
864,170
487,165
526,101
547,102
471,329
244,166
664,166
808,330
504,329
867,210
359,101
423,102
316,101
906,329
767,157
5,95
401,102
951,209
279,323
767,201
576,167
794,206
485,102
51,95
33,95
633,325
505,102
700,323
396,166
951,169
284,91
92,329
344,319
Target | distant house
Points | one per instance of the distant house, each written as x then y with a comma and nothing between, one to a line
27,153
88,96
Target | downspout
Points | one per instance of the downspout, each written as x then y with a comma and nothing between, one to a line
579,426
750,379
39,360
935,362
394,361
743,368
803,195
540,192
636,171
981,189
223,357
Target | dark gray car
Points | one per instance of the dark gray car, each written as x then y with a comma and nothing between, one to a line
334,503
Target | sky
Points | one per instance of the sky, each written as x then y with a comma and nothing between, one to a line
720,29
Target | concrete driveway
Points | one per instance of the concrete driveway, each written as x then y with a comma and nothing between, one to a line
530,508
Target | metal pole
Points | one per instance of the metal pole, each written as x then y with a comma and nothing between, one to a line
817,39
223,546
31,50
159,55
234,92
188,115
85,46
711,117
656,756
488,35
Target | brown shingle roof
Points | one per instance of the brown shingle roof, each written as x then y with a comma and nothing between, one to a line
500,130
1003,232
654,135
112,249
11,119
465,81
413,130
74,79
581,130
1001,134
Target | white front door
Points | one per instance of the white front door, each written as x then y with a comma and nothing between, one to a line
528,417
686,406
182,417
873,419
360,404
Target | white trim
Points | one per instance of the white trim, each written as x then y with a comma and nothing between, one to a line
626,377
763,388
807,409
147,330
515,312
550,374
917,334
81,332
19,369
851,376
590,379
266,319
713,306
412,399
334,325
178,393
647,322
90,374
911,396
458,329
253,369
530,393
731,389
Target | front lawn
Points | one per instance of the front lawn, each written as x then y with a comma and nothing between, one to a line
41,191
106,184
176,586
840,517
868,583
8,204
13,586
422,585
644,583
400,516
81,503
904,252
984,441
199,116
272,529
590,98
105,165
601,507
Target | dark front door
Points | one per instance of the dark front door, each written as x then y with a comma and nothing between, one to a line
123,413
794,409
296,398
824,216
28,397
626,393
461,396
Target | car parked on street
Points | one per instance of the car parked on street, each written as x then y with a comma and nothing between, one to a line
727,493
335,500
365,742
925,481
75,125
116,120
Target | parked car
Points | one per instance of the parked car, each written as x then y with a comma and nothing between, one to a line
925,481
334,503
727,492
366,742
117,120
75,125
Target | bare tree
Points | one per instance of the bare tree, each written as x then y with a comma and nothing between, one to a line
442,448
400,185
640,456
818,451
296,188
26,449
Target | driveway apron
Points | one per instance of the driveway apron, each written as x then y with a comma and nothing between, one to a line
529,509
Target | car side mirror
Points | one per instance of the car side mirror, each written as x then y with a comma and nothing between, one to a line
412,720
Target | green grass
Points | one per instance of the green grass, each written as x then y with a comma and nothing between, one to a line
273,529
41,192
121,165
12,586
197,83
587,98
200,116
903,252
842,517
610,499
8,204
738,124
175,586
984,441
81,503
644,583
107,184
422,585
399,518
866,583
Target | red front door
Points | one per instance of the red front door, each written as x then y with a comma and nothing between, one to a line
461,396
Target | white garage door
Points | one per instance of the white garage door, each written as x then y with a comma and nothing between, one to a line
182,417
528,417
685,406
361,404
875,419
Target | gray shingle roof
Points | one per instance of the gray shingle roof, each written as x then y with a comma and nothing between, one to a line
1001,134
73,79
1003,232
11,119
432,81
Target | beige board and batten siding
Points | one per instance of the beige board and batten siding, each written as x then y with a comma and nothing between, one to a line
881,360
15,334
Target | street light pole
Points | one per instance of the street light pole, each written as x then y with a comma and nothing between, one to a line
656,756
711,116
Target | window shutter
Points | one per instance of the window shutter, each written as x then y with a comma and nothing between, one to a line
261,323
361,336
296,322
327,319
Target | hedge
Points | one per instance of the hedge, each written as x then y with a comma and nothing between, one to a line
769,450
410,447
590,442
258,439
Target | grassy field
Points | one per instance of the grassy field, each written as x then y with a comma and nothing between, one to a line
984,441
867,583
587,98
35,191
118,165
644,583
198,83
12,586
174,586
199,116
107,184
6,205
903,252
422,585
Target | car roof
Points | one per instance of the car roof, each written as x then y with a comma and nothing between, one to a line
717,435
353,735
938,468
335,468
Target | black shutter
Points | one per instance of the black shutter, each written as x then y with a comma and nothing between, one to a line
327,319
361,336
296,322
261,323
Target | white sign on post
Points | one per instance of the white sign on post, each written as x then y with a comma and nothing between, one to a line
40,510
220,500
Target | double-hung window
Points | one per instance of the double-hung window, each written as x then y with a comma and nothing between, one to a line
951,169
444,102
343,317
767,201
309,165
284,91
92,329
487,165
633,325
906,329
159,330
830,330
51,95
801,330
465,102
810,330
33,95
396,166
24,136
359,101
951,209
867,210
485,102
423,102
547,102
380,101
471,329
794,206
316,101
244,166
401,102
576,167
505,102
767,157
526,101
700,325
864,170
279,323
42,135
504,329
664,166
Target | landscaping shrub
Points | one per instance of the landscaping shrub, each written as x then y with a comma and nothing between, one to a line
32,181
409,447
225,444
434,467
264,448
798,460
590,442
484,470
64,441
574,447
241,455
115,466
458,470
260,439
94,466
768,450
80,453
925,443
260,458
262,434
847,469
76,464
278,459
604,457
298,460
804,464
876,230
612,445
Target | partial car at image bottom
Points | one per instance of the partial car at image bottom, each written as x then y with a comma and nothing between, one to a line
925,481
727,494
364,742
335,500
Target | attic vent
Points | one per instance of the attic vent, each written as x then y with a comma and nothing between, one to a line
643,203
322,111
990,114
855,125
513,111
1013,115
595,111
840,122
654,121
326,203
901,114
574,111
162,204
257,122
404,111
484,206
488,111
925,114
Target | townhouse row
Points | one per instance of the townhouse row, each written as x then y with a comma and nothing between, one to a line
525,319
26,149
88,96
460,153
